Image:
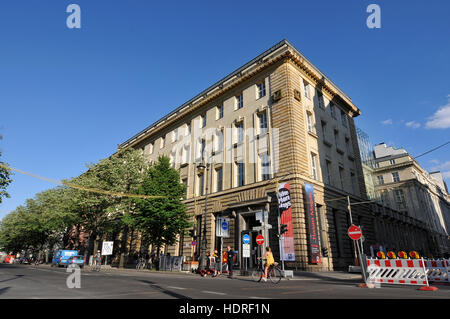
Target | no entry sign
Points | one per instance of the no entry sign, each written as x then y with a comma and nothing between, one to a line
260,240
354,232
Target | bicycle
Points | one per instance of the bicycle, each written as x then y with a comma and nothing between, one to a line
273,273
142,264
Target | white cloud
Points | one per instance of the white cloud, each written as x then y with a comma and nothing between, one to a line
387,122
446,174
412,124
440,119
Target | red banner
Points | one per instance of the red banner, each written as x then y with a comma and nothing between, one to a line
284,203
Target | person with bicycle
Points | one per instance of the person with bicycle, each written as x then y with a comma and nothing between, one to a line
268,256
98,260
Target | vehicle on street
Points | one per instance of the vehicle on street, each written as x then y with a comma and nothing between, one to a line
9,259
61,257
75,260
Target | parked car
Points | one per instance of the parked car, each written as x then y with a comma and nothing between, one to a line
61,257
76,260
9,259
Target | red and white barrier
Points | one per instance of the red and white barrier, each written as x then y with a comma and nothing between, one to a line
397,271
438,270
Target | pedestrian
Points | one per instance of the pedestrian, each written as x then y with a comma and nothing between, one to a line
230,255
216,259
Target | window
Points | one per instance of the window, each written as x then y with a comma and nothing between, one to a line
185,183
240,174
261,89
399,198
392,162
352,180
175,135
219,112
313,166
219,179
320,99
262,122
239,101
341,177
163,142
395,177
219,141
306,88
309,120
240,132
336,137
204,120
328,167
347,145
332,110
203,148
265,167
150,148
380,179
344,119
188,129
324,129
186,154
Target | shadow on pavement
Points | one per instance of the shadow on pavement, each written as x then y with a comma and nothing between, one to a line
3,290
14,278
167,292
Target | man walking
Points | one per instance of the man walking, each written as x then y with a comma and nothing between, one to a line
230,255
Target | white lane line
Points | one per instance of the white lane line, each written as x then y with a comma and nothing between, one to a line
214,292
257,298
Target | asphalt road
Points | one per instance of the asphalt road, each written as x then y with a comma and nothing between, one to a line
43,282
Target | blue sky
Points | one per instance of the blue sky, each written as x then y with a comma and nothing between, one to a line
68,97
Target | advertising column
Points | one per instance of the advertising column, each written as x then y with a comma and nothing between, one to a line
284,204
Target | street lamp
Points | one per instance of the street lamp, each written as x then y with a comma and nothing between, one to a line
203,244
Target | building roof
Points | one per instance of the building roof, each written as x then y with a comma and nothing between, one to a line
262,56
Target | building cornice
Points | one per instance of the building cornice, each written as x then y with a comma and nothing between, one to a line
281,51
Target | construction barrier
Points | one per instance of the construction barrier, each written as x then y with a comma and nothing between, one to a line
397,271
438,270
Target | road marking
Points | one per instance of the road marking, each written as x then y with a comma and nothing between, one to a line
214,292
258,298
306,291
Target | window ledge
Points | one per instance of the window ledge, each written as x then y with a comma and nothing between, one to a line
327,143
313,135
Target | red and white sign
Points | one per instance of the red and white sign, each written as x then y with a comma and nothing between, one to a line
260,240
354,232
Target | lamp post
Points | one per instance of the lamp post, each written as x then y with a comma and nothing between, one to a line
204,241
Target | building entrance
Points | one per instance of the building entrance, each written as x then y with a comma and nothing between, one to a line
246,222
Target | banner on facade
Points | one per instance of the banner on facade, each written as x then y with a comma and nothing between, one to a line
310,210
284,203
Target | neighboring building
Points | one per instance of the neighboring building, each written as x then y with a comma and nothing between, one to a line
405,186
395,229
276,119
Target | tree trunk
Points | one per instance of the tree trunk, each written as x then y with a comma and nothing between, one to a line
123,246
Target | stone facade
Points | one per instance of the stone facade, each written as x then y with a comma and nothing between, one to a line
307,136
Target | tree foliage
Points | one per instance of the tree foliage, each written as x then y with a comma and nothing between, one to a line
162,219
5,179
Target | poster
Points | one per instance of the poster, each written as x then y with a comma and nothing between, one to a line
311,217
284,204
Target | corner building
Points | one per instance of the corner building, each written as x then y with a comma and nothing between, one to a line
299,129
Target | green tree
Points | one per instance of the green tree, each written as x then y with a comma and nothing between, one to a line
5,179
161,219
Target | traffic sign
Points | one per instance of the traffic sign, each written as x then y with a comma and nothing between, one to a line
246,239
246,250
107,248
354,232
223,227
260,240
194,243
